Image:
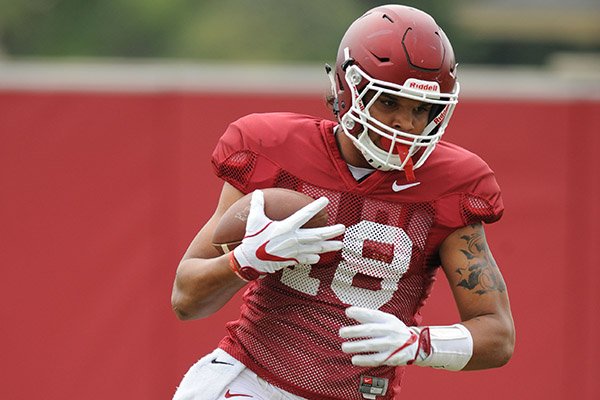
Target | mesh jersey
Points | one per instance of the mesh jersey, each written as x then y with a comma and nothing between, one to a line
288,329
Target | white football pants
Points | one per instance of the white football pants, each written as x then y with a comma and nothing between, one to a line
219,376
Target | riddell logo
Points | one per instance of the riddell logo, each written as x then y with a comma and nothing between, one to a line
425,86
441,116
356,98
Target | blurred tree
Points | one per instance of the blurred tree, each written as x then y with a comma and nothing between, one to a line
212,29
92,27
240,30
264,30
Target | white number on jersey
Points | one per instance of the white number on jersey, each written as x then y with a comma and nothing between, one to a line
354,262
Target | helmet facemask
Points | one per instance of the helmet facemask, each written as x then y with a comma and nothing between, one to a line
406,151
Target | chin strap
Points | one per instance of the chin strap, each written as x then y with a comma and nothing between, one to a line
408,167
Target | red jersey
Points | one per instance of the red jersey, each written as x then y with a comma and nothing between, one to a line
288,329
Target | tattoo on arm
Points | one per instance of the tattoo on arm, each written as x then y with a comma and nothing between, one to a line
481,273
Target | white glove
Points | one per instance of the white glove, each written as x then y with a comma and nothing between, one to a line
388,340
269,246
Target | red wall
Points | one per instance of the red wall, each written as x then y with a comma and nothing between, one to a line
101,193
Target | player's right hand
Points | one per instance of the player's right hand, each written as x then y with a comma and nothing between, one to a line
269,246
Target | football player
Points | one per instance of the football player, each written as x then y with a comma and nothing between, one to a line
333,312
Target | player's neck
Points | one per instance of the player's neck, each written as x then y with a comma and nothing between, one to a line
348,150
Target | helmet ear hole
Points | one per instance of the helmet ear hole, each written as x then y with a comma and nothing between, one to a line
340,82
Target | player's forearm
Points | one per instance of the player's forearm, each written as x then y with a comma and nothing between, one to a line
203,286
493,341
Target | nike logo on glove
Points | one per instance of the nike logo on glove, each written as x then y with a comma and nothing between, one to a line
399,188
263,255
229,395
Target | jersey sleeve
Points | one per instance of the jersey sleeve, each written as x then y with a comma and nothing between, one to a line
478,198
484,204
231,160
238,156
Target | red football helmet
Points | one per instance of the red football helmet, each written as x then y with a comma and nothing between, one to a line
400,51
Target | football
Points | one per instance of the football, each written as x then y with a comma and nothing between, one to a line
279,204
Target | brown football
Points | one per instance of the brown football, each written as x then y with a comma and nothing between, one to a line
279,204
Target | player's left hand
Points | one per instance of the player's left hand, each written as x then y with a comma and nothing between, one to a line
388,341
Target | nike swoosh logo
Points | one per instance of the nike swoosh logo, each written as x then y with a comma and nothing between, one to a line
399,188
215,361
229,395
263,255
